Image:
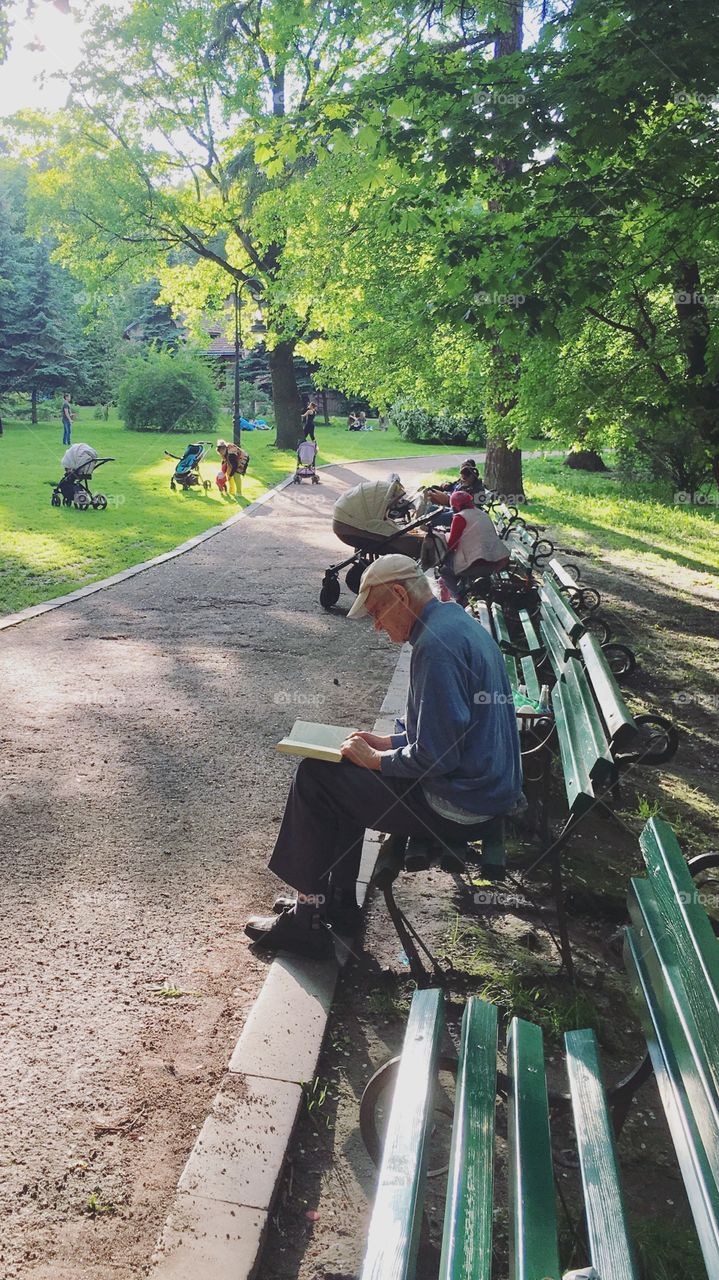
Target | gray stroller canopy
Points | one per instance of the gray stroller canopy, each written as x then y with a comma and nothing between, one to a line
80,457
365,506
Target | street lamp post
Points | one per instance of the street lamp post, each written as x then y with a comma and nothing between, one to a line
256,289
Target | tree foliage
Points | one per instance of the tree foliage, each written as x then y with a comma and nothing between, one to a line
163,391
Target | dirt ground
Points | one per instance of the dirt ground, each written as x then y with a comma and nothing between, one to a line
141,792
501,949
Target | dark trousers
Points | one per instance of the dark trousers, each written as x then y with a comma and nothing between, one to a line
330,806
309,431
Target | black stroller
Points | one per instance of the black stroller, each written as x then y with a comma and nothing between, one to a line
80,463
375,518
187,471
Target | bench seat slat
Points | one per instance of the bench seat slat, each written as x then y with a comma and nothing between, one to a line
589,728
482,609
396,1218
511,669
468,1219
533,1244
701,1188
615,712
534,644
530,678
610,1248
580,794
500,627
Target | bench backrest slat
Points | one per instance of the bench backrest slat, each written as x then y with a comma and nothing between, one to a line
395,1225
556,642
615,712
534,1250
696,1172
558,604
564,578
511,669
577,783
589,728
467,1239
483,613
610,1248
693,1044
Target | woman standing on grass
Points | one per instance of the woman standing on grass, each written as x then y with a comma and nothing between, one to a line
308,421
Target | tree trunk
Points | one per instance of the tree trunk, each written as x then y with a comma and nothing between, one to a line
33,406
503,472
585,460
503,468
285,396
325,410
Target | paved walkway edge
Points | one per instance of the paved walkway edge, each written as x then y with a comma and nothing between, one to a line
218,1221
35,610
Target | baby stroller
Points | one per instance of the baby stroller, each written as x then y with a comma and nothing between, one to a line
306,458
80,463
375,518
187,471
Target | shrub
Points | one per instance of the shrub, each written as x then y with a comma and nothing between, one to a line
424,426
163,391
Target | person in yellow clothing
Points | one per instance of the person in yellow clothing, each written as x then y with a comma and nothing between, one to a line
230,455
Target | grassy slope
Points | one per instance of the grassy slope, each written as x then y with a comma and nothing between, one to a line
48,551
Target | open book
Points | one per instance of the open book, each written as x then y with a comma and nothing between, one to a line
318,741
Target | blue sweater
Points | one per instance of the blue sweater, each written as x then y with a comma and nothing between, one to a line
461,738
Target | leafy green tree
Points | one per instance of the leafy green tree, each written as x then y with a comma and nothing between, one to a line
155,165
163,391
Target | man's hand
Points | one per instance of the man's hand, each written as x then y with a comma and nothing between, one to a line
438,496
380,741
358,751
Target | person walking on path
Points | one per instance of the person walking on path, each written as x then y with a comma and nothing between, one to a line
308,421
66,415
455,767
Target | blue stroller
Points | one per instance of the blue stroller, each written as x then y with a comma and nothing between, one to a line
187,471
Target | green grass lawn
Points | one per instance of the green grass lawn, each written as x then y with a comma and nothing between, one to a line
599,511
48,551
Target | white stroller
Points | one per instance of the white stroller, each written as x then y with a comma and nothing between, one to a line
306,462
80,463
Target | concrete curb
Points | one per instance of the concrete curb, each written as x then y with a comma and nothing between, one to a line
217,1225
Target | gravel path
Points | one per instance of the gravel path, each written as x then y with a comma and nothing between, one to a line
142,790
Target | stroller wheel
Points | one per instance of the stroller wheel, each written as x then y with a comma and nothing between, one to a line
81,500
56,500
99,502
207,484
354,576
330,592
315,479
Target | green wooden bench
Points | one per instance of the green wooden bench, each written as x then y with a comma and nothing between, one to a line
673,964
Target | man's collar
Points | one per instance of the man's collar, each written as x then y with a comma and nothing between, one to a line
422,620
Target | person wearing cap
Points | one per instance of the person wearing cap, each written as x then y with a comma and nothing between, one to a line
469,481
456,766
473,546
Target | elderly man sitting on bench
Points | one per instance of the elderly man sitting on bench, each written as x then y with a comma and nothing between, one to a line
456,767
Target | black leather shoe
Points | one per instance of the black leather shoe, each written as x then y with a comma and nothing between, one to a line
283,933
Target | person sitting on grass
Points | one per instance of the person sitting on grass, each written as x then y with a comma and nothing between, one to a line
456,766
474,547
